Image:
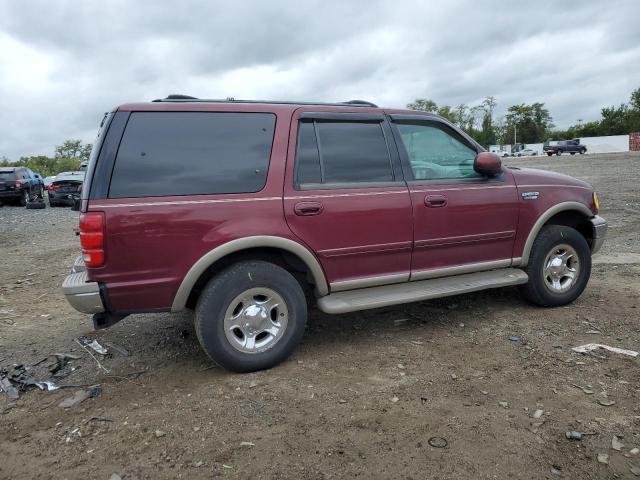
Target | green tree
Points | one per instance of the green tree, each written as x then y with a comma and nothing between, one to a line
73,149
527,123
423,105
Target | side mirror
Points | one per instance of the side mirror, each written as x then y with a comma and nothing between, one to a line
487,163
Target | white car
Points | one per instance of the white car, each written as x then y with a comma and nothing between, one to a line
527,152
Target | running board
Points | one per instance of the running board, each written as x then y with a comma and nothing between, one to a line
375,297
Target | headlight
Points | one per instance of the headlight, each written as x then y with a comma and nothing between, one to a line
596,202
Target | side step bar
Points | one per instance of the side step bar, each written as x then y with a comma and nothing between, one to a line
375,297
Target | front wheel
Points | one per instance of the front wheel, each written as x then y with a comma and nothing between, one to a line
559,267
583,151
251,316
549,154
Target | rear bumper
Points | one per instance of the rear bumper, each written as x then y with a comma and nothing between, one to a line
599,226
81,294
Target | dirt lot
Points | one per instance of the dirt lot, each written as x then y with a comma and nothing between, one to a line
363,394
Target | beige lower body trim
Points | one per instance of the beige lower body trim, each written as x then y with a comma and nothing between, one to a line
369,282
460,269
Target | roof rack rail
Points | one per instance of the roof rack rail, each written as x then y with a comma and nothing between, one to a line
363,103
189,98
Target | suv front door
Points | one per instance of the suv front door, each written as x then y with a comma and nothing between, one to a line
463,221
346,199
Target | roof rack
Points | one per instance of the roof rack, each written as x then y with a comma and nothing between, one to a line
187,98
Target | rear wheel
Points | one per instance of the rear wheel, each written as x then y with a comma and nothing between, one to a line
559,152
24,198
582,151
251,316
549,154
559,267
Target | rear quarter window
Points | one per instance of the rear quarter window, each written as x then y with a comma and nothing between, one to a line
192,153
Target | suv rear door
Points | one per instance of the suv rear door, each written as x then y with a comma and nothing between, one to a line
463,221
345,197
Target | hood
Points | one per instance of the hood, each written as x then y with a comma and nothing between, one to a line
532,176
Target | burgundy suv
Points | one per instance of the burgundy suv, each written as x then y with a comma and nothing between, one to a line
250,212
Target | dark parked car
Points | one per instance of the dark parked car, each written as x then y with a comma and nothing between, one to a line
250,212
66,186
19,185
569,146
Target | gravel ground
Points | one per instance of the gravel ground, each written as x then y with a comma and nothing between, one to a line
428,390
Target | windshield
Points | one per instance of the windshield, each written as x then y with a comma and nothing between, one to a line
7,175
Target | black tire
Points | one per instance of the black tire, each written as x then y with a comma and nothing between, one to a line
24,198
549,154
559,152
582,151
551,236
217,298
573,153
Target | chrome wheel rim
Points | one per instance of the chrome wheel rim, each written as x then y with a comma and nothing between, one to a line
255,320
561,268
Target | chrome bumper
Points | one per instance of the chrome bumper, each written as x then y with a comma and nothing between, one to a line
83,295
599,226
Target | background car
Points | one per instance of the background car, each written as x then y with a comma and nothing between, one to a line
527,152
18,185
48,180
64,186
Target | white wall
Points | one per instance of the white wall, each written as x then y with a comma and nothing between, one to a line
612,143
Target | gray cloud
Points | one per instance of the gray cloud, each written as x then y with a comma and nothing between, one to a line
62,65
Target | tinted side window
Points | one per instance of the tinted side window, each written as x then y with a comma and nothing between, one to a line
307,157
353,152
192,153
436,152
342,152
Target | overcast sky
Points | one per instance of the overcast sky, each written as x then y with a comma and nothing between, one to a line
62,64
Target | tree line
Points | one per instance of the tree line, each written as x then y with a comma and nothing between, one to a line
67,157
531,123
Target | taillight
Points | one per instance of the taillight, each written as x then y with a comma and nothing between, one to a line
18,183
92,238
53,187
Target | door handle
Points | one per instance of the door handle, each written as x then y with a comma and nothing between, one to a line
435,201
308,208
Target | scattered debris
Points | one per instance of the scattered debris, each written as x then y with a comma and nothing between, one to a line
556,471
635,470
76,399
504,404
603,458
515,338
9,389
594,346
159,433
48,386
198,464
253,384
342,400
115,476
438,442
247,444
616,444
538,413
573,435
93,344
92,355
121,350
395,399
95,391
593,332
400,321
606,403
454,376
586,390
634,451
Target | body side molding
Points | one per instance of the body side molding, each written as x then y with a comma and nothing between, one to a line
542,219
198,268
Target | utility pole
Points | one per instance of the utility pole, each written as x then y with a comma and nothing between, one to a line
515,133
